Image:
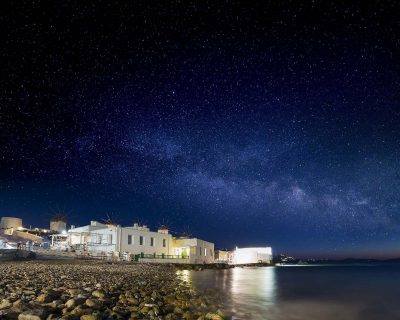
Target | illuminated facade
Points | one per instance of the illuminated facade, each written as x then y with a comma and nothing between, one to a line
138,241
104,238
252,255
196,250
223,256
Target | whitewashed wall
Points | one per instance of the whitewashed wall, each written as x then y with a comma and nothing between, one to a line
136,248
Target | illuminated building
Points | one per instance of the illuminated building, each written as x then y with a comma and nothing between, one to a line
139,243
252,255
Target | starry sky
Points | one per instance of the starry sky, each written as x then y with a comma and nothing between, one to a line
244,124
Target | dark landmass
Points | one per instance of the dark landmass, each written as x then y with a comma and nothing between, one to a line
305,261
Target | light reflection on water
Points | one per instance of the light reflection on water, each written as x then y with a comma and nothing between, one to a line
249,282
236,288
311,293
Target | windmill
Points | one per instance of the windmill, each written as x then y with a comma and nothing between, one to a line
164,227
138,222
58,221
110,219
59,217
186,233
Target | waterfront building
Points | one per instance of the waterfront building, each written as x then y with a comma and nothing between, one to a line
223,256
107,238
137,242
252,255
196,250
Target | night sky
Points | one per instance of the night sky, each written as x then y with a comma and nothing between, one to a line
243,124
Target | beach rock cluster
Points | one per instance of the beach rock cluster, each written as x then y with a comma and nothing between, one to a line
89,290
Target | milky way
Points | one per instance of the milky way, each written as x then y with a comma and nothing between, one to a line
245,125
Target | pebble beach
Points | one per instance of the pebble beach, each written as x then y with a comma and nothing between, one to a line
93,290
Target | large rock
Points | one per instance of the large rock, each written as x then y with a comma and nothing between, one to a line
4,304
47,296
9,314
92,303
70,303
29,317
37,314
214,316
73,292
79,311
98,294
89,317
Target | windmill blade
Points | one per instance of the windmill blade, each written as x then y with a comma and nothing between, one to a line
165,223
110,219
58,214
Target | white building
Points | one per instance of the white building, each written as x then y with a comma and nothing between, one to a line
139,243
10,223
196,250
104,238
223,256
95,237
252,255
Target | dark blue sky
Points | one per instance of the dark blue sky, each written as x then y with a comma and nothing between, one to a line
273,123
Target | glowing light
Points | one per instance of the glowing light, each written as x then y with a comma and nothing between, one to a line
252,255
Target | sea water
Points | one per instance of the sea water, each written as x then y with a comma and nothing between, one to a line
346,292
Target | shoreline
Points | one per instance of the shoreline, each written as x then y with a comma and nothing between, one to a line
22,255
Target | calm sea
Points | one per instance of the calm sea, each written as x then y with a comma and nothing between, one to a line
304,292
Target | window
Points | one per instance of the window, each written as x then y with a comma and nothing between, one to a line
200,251
205,252
110,239
129,239
152,241
164,242
141,240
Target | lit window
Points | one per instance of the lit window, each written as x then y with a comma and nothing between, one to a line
205,251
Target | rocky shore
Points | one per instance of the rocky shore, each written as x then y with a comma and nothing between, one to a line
91,290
